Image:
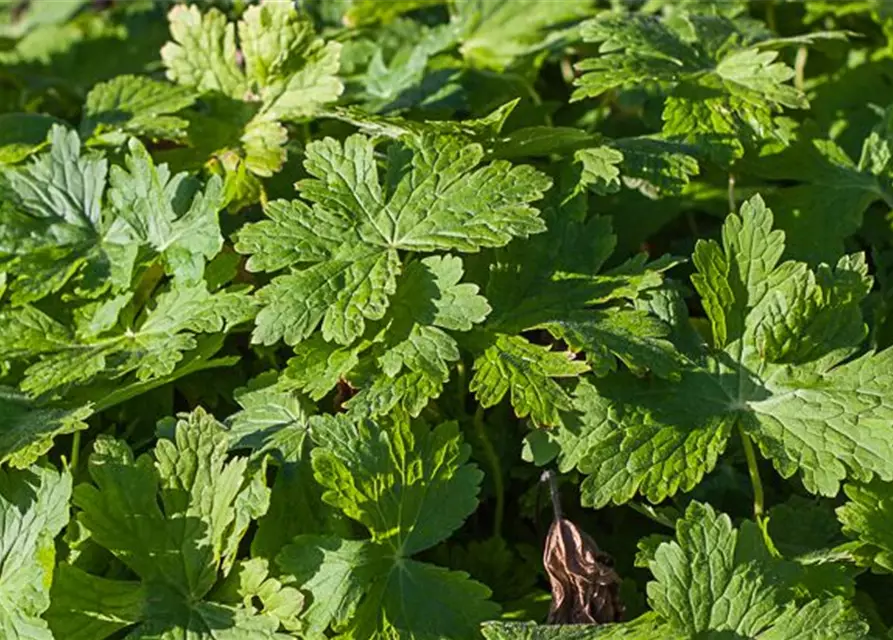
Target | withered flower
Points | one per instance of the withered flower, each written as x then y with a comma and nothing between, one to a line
585,587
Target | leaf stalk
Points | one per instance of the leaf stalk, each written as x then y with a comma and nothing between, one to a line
754,472
492,460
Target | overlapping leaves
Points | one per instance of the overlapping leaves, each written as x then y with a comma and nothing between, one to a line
420,274
33,510
27,427
107,247
782,366
725,82
557,282
288,73
174,520
344,242
833,190
410,486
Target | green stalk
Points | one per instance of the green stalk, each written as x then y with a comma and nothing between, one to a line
754,473
732,204
800,67
75,452
460,385
495,469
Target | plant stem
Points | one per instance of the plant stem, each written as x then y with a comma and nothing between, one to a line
75,452
800,67
731,192
754,473
692,223
460,385
549,476
495,469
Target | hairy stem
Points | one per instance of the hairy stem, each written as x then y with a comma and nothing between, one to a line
492,461
754,473
549,476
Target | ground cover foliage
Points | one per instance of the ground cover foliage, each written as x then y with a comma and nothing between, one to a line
299,300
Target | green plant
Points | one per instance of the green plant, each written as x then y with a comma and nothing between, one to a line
299,300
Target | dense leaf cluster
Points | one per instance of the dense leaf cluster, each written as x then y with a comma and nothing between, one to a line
298,300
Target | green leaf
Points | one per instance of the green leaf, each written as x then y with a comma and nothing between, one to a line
174,521
649,164
434,197
23,134
654,438
27,428
865,518
203,52
644,627
168,213
288,75
512,364
58,228
362,12
816,9
250,579
34,508
495,33
293,71
54,228
411,487
800,526
63,355
599,169
781,337
807,533
402,70
483,129
415,354
272,418
724,88
655,166
318,366
296,508
633,336
87,606
708,580
832,194
136,105
556,282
